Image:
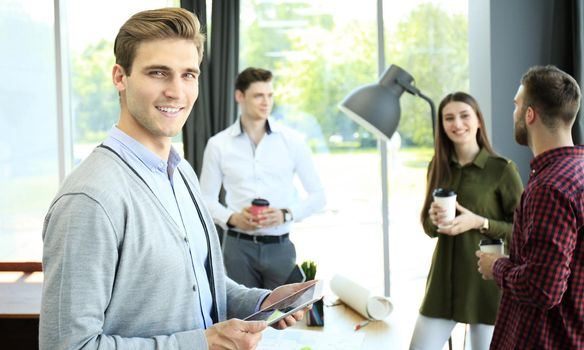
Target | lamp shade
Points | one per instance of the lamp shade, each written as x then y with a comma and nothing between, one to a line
376,106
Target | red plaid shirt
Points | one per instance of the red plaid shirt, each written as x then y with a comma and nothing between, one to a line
542,281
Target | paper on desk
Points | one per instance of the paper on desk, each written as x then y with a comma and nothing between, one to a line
294,339
360,299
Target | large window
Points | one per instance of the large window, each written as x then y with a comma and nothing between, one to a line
29,148
321,50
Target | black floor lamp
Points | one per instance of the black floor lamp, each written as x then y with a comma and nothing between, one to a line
376,107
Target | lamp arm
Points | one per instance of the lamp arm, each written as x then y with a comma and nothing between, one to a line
407,85
416,92
432,111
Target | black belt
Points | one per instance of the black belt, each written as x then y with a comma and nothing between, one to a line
258,239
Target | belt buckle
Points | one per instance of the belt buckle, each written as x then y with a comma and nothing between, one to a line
255,239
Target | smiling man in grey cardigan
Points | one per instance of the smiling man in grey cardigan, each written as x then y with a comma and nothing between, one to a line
127,264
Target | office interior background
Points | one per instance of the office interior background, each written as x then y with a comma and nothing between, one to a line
58,102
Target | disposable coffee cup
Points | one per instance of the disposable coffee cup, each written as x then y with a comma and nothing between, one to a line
258,205
446,199
494,246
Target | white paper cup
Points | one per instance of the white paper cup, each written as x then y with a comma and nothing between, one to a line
447,200
493,246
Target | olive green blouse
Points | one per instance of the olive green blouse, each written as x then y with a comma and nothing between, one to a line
491,187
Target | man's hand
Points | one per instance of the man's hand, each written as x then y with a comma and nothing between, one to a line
235,334
244,220
466,220
270,217
486,263
282,292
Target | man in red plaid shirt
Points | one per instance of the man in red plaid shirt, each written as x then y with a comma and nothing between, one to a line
542,281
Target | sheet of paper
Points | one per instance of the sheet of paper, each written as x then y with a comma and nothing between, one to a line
297,339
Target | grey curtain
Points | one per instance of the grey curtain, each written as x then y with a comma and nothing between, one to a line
567,45
197,129
578,72
215,108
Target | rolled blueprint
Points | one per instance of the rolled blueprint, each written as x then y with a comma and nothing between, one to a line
360,299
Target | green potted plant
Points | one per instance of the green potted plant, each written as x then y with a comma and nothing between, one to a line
309,269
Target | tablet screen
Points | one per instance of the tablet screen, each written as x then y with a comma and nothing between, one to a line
289,305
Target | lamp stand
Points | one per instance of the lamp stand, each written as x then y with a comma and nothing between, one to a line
385,216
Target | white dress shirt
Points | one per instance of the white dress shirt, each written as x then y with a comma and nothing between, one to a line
264,171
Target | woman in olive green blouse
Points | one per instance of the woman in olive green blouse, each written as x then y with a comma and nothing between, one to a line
488,189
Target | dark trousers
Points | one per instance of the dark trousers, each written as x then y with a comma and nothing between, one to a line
256,263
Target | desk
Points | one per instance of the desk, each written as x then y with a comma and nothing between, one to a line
20,295
20,306
20,303
342,319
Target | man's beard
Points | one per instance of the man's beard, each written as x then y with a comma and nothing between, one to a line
520,127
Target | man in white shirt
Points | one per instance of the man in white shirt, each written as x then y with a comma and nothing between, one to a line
258,158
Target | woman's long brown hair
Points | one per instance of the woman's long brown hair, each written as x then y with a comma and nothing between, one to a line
439,170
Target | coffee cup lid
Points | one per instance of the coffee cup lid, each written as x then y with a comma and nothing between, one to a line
443,192
260,202
491,241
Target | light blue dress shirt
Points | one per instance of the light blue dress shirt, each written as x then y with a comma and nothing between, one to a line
168,186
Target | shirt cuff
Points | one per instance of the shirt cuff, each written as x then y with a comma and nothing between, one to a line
499,267
261,300
224,217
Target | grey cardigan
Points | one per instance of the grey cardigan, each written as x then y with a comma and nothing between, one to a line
117,270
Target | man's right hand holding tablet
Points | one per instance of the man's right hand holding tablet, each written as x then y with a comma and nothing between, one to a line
235,334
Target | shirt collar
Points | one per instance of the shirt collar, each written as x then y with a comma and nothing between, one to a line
237,128
480,160
151,160
546,158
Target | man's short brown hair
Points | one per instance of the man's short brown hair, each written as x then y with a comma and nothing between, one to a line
165,23
553,93
251,75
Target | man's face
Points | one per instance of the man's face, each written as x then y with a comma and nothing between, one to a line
520,126
159,94
257,101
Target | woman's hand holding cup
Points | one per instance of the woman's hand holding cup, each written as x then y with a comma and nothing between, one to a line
466,220
437,214
443,208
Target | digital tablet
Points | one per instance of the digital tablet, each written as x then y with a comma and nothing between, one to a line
289,305
296,276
